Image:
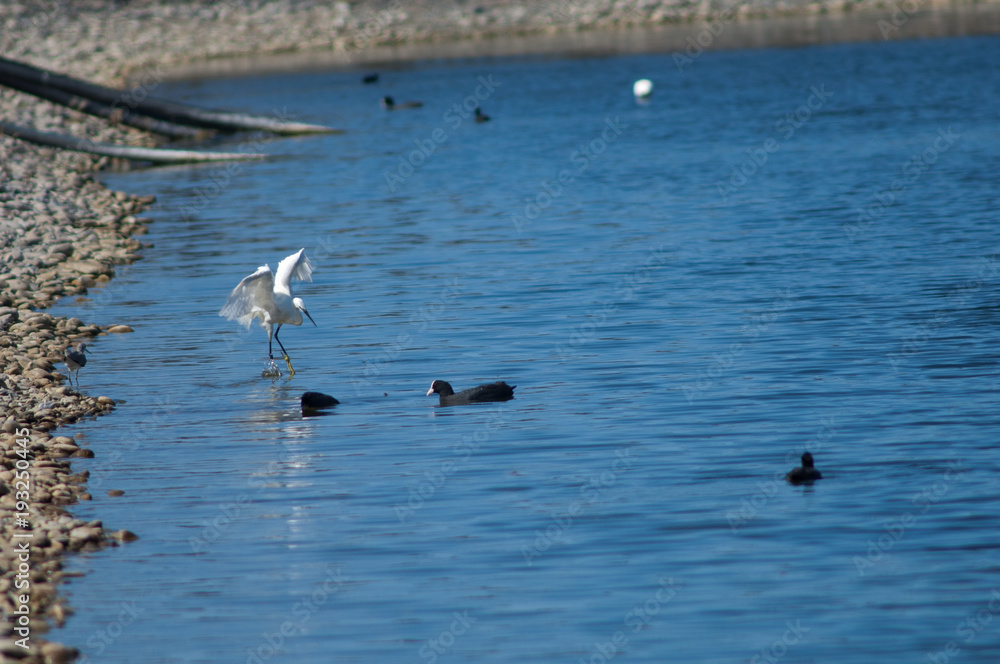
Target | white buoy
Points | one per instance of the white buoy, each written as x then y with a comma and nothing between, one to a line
642,88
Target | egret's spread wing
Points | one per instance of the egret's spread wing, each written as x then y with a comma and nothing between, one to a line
252,298
297,265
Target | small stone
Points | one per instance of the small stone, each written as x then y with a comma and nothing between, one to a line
10,650
114,493
86,267
57,653
106,401
124,536
119,329
83,534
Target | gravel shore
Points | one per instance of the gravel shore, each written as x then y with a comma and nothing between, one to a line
62,233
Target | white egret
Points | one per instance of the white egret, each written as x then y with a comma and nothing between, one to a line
268,297
76,360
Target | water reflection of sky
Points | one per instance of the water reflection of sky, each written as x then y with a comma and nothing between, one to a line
760,328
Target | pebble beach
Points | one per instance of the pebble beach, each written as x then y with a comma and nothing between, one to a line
63,234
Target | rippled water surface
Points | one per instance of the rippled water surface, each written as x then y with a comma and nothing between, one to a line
783,250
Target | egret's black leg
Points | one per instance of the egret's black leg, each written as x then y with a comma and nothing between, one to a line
279,341
288,361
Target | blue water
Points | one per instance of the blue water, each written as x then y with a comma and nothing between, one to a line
687,293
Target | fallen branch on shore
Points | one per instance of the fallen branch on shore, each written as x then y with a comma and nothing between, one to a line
13,74
117,115
155,155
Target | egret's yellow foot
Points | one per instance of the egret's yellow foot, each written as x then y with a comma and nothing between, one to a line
291,371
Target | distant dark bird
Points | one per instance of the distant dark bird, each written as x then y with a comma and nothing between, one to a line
499,391
389,104
312,401
480,116
806,473
76,360
368,79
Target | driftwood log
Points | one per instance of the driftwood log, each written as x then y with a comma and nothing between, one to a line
118,115
13,73
155,155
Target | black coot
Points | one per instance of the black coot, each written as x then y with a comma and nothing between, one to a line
317,401
499,391
806,473
389,104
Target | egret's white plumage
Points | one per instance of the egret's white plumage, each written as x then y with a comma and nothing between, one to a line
268,297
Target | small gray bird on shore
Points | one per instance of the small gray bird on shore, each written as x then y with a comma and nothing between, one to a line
76,360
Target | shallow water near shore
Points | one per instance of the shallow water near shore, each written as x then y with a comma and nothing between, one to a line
783,250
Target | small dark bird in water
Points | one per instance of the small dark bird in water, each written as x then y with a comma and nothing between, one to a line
368,79
480,116
312,401
499,391
806,473
76,360
389,104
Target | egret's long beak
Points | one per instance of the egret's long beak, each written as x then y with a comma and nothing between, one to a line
308,316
